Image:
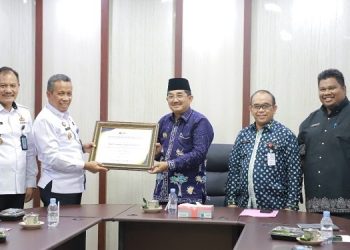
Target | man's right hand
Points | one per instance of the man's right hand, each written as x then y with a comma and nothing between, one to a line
94,167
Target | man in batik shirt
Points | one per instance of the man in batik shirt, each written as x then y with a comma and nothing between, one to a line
264,165
183,140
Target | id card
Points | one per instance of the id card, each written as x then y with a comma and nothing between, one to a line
24,143
271,159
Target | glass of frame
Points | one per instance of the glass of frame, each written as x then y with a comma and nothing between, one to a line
124,145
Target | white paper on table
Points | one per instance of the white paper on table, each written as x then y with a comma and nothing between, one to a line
257,213
345,238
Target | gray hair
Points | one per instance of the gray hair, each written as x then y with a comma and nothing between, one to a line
55,78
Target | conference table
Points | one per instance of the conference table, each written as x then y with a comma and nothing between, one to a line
163,231
256,232
139,230
65,236
226,230
71,230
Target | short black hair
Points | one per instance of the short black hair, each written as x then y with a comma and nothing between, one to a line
266,92
6,69
331,73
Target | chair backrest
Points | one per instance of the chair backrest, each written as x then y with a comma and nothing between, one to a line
217,171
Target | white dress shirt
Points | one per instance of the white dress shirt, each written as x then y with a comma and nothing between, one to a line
18,168
59,150
251,192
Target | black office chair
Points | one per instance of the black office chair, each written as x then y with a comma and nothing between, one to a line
217,170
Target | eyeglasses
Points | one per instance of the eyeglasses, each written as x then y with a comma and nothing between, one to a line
264,106
178,97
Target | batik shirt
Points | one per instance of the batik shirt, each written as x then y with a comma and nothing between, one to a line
326,165
257,181
185,144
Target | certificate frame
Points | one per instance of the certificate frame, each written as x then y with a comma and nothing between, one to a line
124,145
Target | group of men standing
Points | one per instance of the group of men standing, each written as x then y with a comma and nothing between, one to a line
267,160
54,137
265,166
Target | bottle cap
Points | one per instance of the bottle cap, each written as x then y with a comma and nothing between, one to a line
172,190
52,200
326,214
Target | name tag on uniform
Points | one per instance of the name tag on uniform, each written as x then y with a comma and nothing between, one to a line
271,159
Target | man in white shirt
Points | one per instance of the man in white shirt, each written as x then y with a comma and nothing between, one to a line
18,167
59,147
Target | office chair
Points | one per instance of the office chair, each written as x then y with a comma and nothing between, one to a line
217,171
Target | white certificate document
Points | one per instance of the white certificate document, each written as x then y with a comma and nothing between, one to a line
124,146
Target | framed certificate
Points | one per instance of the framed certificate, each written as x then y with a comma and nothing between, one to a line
125,145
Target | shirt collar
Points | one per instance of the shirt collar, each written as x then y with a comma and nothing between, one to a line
185,116
14,107
267,126
60,114
335,110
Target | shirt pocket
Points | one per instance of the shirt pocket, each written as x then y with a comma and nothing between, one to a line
280,157
344,143
4,128
185,140
63,135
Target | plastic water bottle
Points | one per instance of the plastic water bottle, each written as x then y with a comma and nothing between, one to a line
52,213
327,227
172,207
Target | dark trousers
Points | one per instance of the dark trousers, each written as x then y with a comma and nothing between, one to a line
11,201
64,199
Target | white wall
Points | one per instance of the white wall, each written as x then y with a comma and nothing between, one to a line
17,47
292,42
213,62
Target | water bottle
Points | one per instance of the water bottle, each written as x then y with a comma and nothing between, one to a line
172,208
52,213
327,227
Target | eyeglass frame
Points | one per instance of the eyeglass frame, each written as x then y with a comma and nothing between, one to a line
265,106
179,96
